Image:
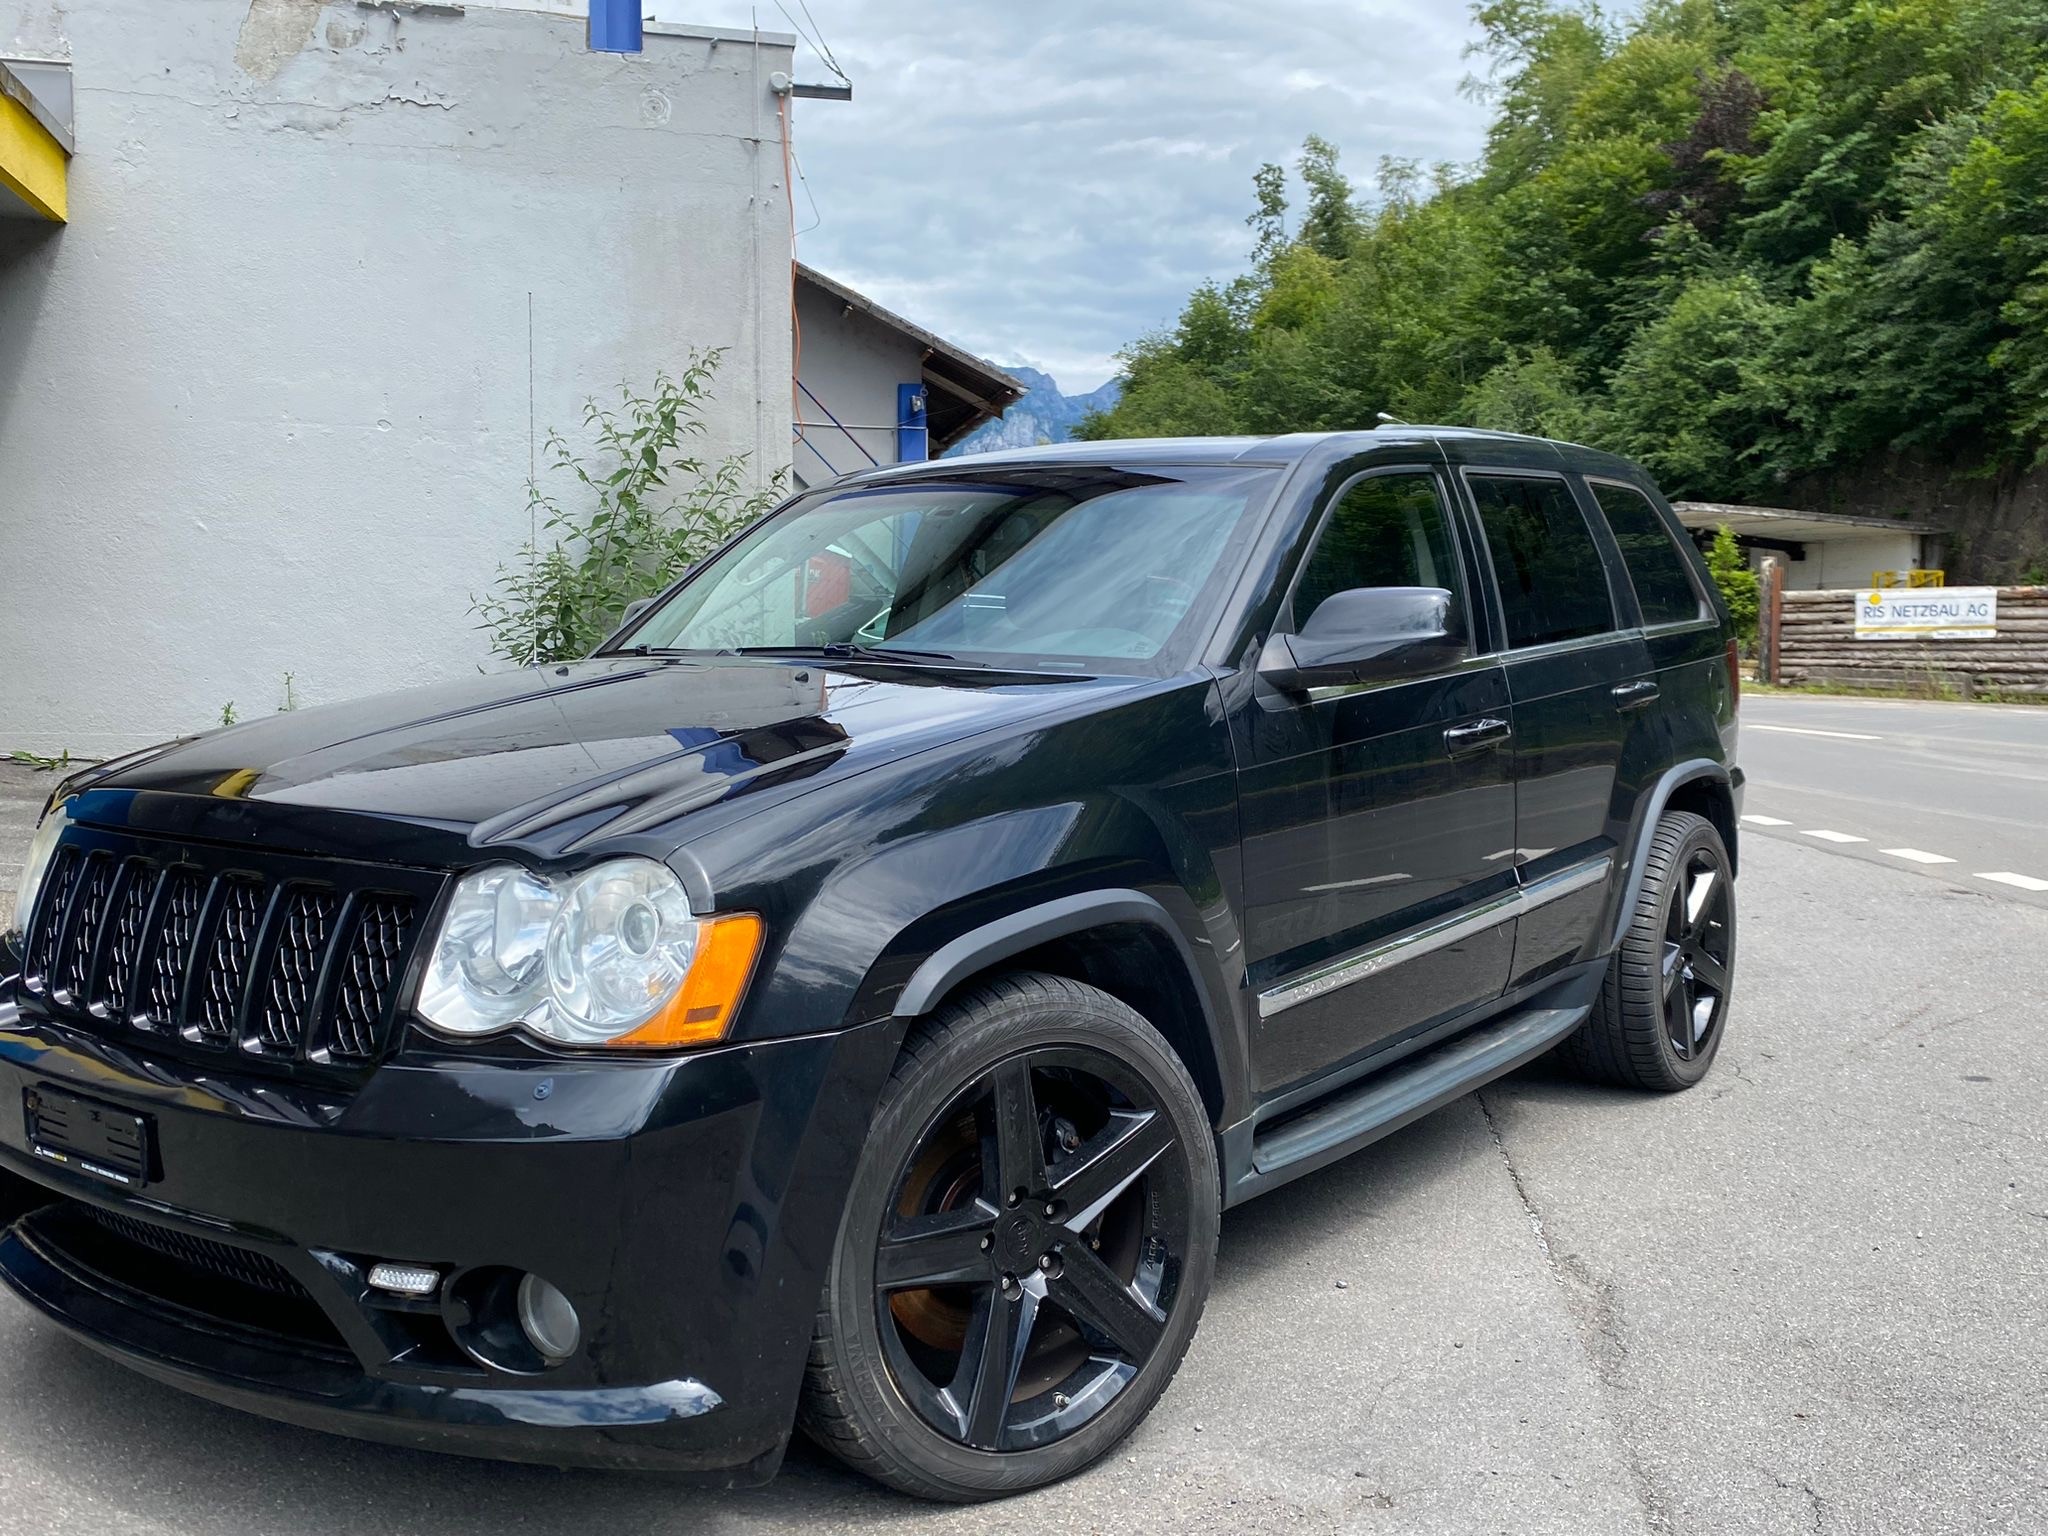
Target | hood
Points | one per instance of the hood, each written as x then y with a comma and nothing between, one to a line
552,758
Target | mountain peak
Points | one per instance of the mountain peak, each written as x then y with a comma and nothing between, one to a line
1030,376
1044,415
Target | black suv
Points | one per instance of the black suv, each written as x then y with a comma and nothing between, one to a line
851,996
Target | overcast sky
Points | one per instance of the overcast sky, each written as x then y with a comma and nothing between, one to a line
1041,181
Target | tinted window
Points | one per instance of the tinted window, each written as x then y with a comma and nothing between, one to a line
1552,584
1656,566
1386,531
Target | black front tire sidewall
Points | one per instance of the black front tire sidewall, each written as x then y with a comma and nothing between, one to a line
1686,1071
1625,1041
851,1405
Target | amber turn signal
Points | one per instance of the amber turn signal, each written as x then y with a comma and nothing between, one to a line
703,1007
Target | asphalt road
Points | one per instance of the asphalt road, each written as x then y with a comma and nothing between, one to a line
1807,1296
1956,791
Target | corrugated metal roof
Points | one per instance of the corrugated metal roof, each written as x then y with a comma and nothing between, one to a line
1790,523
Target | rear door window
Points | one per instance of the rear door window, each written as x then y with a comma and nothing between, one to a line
1657,567
1553,583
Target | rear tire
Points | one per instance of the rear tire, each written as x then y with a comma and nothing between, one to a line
1663,1004
1040,1153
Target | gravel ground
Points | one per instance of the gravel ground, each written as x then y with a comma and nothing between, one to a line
1806,1297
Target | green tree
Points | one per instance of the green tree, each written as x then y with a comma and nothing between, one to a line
1534,392
1330,223
1737,582
1692,397
1268,218
1163,397
1746,241
1997,210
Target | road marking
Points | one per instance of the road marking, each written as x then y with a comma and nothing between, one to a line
1834,837
1768,821
1807,730
2007,877
1919,855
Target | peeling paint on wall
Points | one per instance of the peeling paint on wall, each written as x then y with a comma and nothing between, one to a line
273,34
40,32
419,96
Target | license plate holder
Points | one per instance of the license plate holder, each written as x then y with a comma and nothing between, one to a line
102,1140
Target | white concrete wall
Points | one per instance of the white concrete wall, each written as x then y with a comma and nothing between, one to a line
853,364
1847,561
264,402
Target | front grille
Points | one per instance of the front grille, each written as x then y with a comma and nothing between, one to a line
56,899
370,974
124,945
227,966
177,929
245,1266
96,885
295,967
164,1269
279,958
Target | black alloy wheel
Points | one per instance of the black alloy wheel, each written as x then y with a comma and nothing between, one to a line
1034,1243
1662,1011
1698,936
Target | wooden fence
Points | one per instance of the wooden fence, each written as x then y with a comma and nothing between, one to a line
1810,637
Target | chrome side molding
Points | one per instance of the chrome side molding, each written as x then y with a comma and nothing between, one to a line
1359,964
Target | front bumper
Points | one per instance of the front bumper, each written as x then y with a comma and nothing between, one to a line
686,1206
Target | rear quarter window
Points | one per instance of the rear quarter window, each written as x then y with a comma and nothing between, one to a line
1657,567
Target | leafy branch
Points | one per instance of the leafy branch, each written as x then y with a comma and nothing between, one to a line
648,504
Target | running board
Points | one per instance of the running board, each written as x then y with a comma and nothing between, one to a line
1361,1114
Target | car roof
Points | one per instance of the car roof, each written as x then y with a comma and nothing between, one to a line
1281,449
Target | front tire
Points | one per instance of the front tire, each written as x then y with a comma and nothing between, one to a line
1026,1250
1664,1003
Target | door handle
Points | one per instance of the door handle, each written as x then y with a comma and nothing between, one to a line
1477,736
1637,694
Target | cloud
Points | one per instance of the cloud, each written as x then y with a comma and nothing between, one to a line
1043,183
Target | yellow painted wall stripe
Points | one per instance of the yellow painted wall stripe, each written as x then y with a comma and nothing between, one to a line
32,164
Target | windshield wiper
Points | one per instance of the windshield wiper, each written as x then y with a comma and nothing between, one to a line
848,650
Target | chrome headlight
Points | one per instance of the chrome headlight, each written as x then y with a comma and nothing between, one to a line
41,847
612,956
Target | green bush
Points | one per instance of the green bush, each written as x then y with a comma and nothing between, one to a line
1737,582
649,509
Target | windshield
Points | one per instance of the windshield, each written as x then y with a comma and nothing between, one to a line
1076,567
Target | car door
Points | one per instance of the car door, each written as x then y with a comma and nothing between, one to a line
1577,671
1686,651
1378,818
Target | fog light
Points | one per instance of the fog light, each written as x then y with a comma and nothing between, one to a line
550,1322
405,1279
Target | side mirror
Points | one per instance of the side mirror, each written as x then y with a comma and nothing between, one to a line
1365,635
